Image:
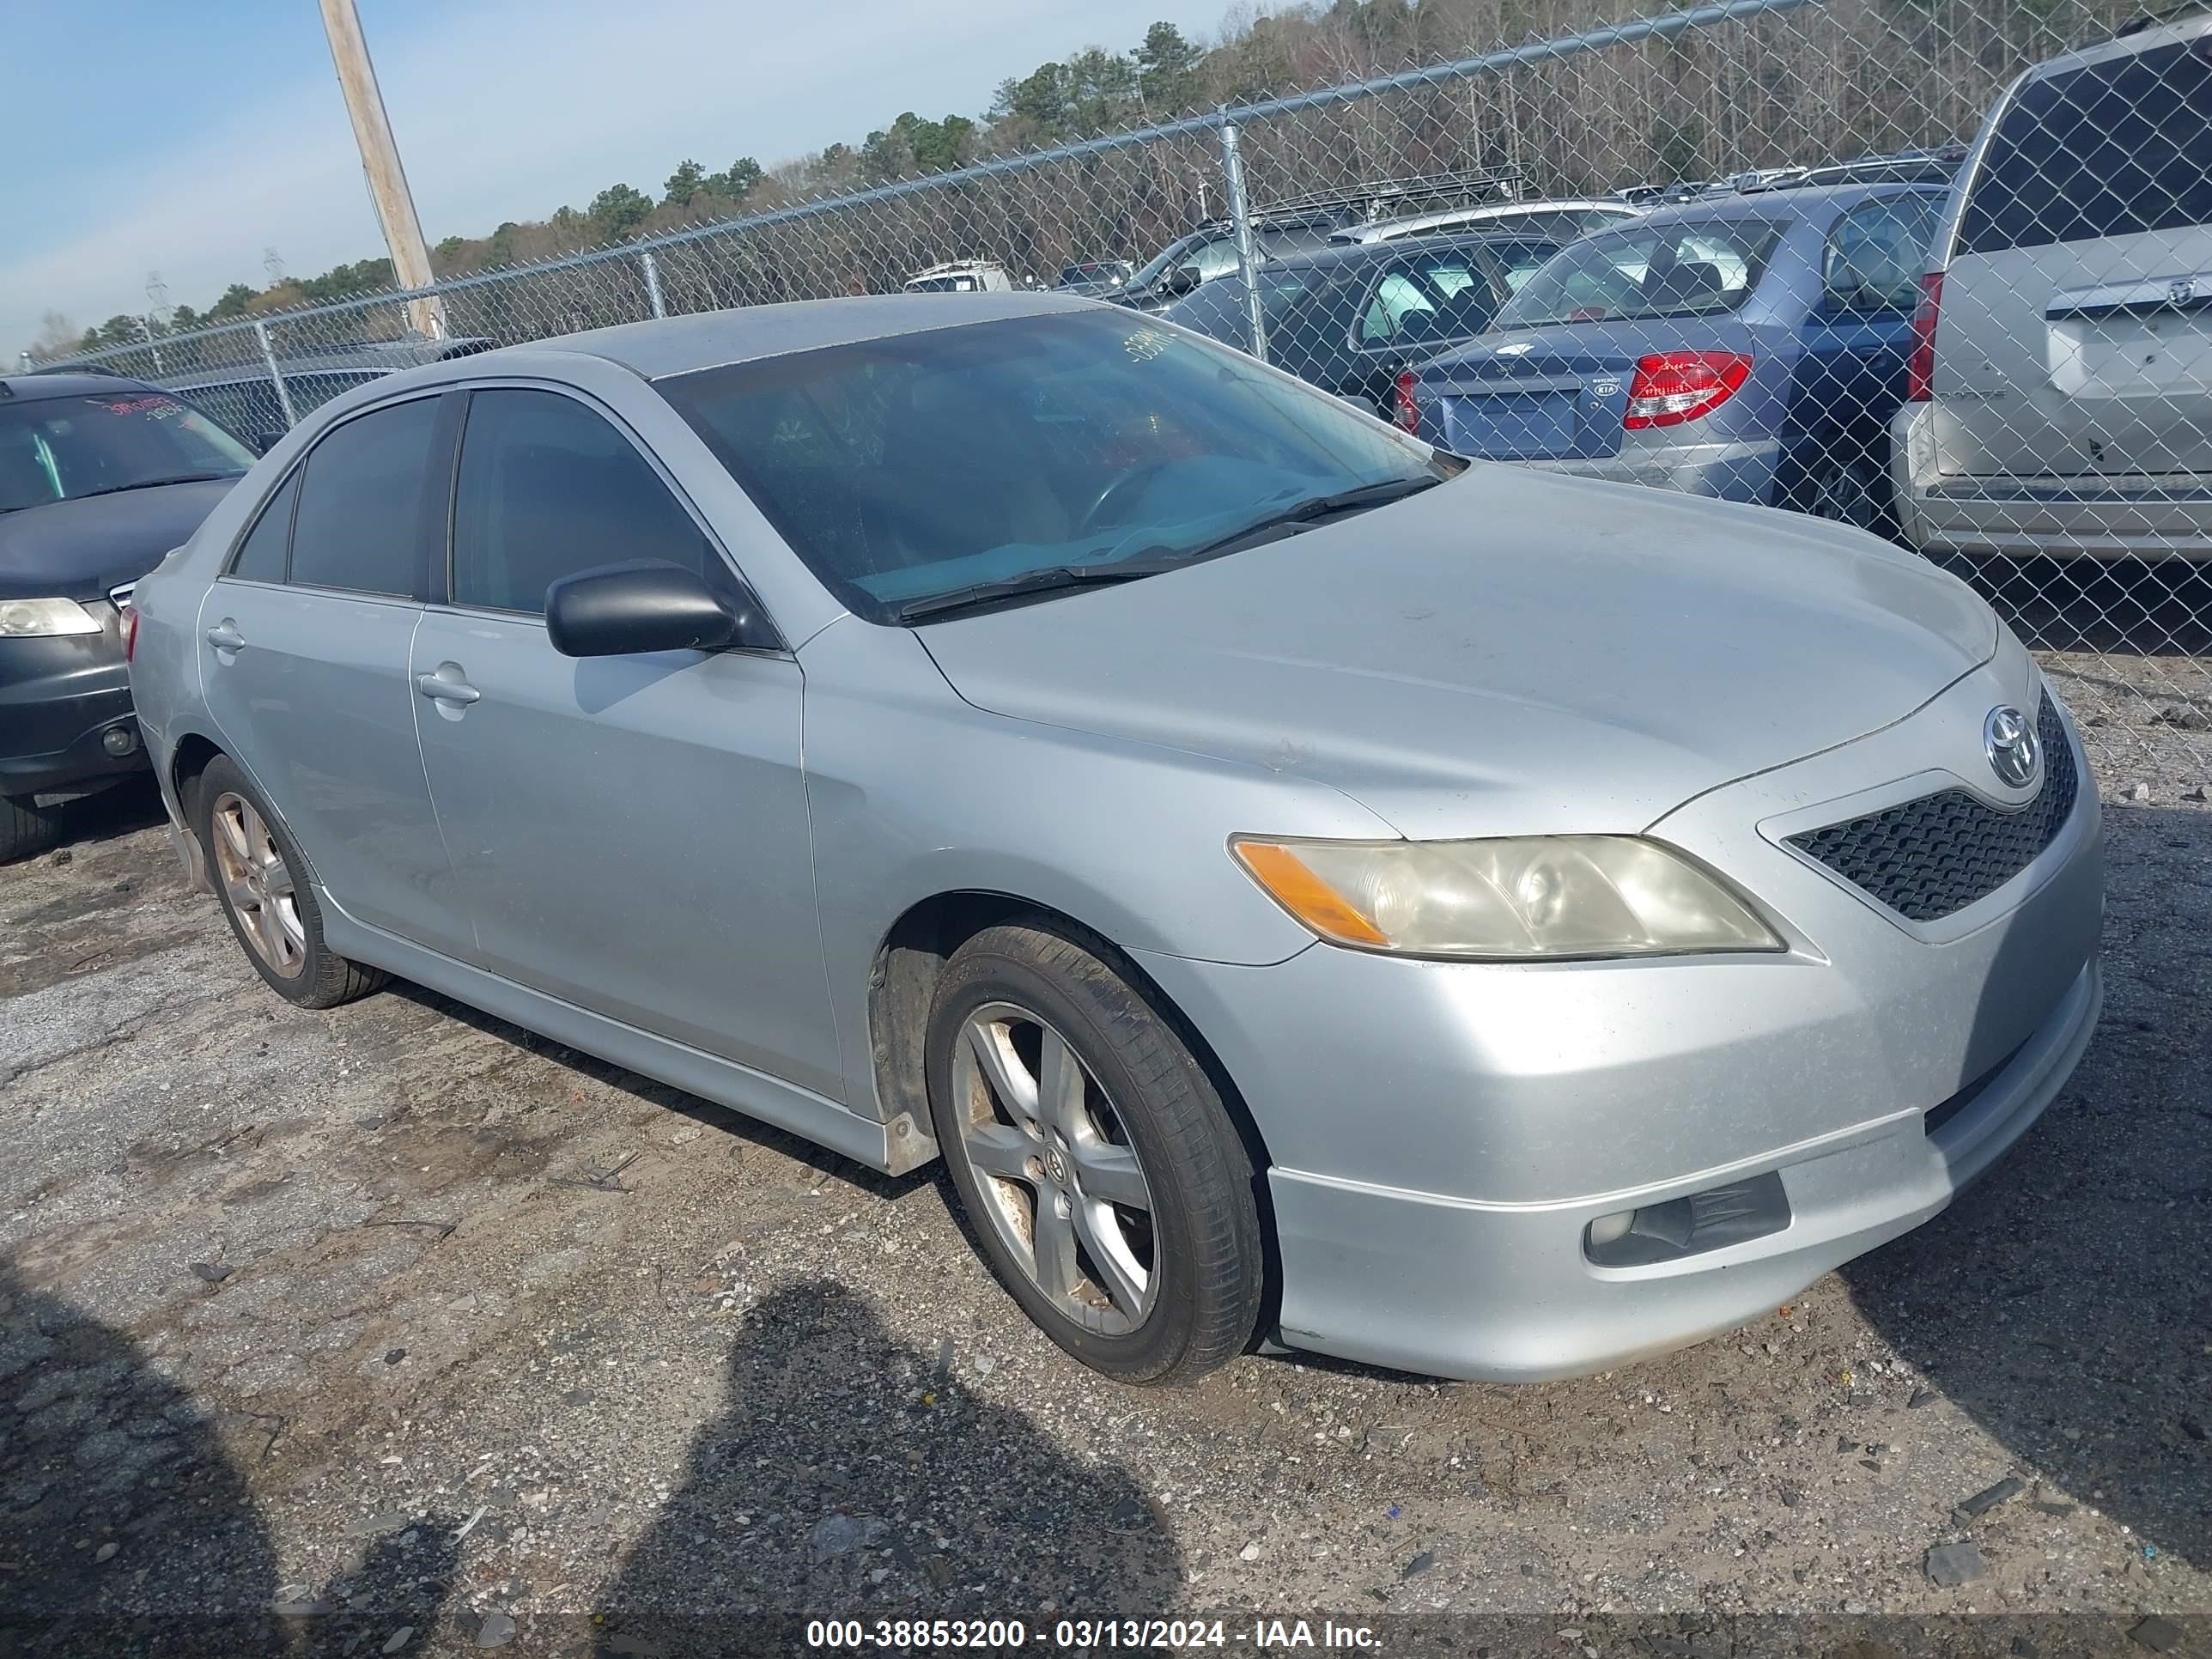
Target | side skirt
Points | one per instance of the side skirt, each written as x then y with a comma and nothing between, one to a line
894,1148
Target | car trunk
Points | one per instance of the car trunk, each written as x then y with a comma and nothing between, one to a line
2086,358
2073,328
1557,393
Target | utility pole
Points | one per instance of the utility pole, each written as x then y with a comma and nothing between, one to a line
380,161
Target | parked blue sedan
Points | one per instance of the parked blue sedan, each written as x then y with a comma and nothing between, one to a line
1750,348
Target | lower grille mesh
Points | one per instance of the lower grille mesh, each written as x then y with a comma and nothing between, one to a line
1930,858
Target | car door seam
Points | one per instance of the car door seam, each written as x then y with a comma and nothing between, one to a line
429,791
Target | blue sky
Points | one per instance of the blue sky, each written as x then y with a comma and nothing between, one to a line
146,136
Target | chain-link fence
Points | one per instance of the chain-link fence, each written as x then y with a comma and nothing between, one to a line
1749,250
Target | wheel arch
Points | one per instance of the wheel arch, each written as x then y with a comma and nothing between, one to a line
902,981
189,757
911,954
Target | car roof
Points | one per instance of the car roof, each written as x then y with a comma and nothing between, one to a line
1782,202
1479,210
709,339
1400,247
370,357
2182,23
49,383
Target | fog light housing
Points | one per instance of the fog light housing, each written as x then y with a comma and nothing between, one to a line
1607,1228
1718,1217
120,740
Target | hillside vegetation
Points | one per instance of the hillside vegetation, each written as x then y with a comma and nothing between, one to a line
1840,79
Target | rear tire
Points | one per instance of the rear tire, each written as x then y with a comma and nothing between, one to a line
262,883
1850,484
1103,1180
26,828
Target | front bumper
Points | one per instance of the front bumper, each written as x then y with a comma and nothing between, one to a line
60,699
1441,1135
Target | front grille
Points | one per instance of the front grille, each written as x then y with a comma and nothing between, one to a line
1930,858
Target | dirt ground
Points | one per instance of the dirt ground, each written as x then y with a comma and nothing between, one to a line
397,1330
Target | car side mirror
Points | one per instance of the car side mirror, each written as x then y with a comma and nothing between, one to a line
647,604
1182,279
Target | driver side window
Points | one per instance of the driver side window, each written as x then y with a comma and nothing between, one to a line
549,488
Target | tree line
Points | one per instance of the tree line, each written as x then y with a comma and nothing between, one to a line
1839,79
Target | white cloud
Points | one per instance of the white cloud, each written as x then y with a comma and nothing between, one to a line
506,110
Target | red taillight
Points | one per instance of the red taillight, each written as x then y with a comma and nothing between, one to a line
1405,408
1920,367
130,634
1670,387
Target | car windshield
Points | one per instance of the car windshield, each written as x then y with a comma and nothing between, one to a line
1221,310
1645,270
919,465
59,449
1176,252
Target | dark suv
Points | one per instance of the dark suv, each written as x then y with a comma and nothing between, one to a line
99,477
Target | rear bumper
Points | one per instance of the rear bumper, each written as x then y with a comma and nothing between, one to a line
64,707
2051,518
1721,471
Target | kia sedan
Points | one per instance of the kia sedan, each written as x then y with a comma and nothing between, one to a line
1753,348
1307,889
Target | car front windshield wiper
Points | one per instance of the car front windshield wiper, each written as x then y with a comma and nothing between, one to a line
1151,561
1051,579
1288,520
154,483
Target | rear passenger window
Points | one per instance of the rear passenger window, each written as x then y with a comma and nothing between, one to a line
2112,150
359,522
1876,251
547,488
261,555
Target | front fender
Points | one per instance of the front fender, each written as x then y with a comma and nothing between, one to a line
913,794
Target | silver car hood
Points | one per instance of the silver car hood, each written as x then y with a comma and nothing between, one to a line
1514,653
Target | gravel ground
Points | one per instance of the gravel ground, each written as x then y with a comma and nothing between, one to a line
397,1330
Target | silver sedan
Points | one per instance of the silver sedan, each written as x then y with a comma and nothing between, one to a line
1307,889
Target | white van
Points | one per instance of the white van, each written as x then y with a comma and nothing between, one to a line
2061,380
962,276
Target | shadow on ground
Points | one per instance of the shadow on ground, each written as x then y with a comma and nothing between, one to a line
126,1522
2062,1302
2138,607
900,1495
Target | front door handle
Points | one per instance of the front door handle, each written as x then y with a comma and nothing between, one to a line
225,636
442,687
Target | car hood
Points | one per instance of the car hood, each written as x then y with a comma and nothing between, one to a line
1514,653
79,550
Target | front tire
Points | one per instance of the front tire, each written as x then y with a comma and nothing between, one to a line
261,882
26,828
1105,1183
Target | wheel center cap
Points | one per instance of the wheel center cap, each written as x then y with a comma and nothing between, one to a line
1056,1167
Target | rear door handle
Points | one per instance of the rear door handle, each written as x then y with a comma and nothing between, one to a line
225,636
444,688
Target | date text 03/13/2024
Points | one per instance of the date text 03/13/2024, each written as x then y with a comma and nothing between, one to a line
1090,1635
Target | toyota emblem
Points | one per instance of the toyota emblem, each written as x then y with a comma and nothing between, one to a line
2014,755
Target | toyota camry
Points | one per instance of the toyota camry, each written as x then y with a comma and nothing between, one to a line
1309,889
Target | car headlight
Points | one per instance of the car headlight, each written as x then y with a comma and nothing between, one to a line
22,619
1523,899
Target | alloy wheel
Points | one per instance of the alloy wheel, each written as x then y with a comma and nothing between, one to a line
260,886
1060,1181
